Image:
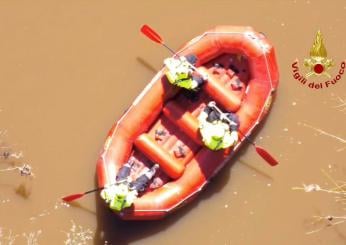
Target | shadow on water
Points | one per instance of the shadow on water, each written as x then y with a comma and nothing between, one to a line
115,231
147,65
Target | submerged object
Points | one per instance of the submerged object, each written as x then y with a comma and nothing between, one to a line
161,125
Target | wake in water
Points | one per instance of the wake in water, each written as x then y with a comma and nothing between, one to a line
58,205
77,235
8,237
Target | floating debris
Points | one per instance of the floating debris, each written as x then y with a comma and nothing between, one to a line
294,103
24,170
316,187
342,104
326,221
32,237
339,190
311,187
77,235
5,201
325,133
5,154
7,236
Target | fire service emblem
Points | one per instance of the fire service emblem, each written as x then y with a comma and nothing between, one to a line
318,65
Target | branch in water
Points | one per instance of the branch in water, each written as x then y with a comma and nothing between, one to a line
325,133
342,104
327,221
339,190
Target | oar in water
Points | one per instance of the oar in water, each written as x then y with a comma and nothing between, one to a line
260,151
76,196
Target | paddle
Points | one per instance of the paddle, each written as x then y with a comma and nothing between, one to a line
74,197
260,151
154,36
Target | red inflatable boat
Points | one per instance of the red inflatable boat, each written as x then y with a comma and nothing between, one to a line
161,125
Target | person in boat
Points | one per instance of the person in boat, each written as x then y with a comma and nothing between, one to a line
218,130
180,72
123,193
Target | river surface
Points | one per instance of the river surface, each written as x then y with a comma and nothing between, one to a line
69,69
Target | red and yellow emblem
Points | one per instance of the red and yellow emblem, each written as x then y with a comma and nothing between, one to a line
318,63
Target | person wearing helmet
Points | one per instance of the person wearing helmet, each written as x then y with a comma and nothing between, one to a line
123,193
217,132
180,72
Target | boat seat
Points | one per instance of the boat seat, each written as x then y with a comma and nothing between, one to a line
183,119
156,153
218,92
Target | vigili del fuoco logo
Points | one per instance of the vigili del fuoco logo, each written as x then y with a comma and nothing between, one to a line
317,65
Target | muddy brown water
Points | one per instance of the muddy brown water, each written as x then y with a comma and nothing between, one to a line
69,69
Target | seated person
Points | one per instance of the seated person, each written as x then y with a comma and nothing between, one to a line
218,130
123,193
181,72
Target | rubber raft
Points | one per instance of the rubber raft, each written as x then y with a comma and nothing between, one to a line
161,125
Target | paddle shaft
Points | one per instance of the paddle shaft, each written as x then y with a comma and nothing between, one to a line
76,196
171,50
94,190
262,152
191,65
101,188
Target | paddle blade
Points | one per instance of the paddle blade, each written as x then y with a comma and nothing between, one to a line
266,156
150,33
73,197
